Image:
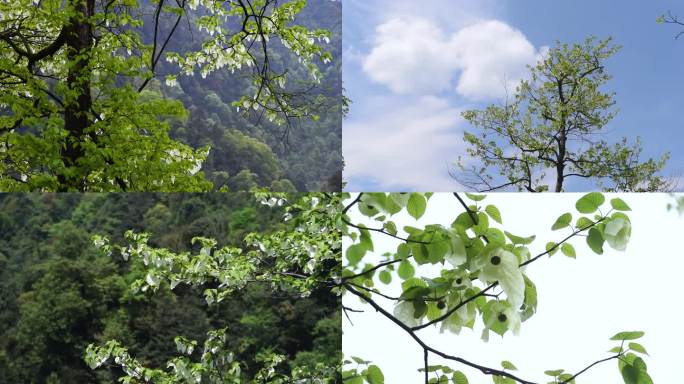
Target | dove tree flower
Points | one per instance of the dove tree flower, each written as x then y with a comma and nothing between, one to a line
299,260
471,274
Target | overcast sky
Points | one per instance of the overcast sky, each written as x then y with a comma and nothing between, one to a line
411,67
582,302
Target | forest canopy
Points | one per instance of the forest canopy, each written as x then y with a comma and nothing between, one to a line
60,292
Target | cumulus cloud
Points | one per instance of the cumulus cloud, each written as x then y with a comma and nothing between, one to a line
408,149
481,60
410,56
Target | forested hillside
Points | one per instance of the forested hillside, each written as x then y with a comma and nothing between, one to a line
249,150
58,293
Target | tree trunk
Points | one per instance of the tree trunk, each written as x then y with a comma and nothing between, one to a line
560,161
78,39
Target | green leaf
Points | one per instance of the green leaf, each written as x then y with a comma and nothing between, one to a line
630,374
636,347
562,221
619,205
385,277
419,308
568,250
530,302
355,253
416,205
590,202
474,197
463,221
459,378
630,335
583,223
551,248
554,372
519,240
508,365
406,270
368,209
494,213
374,375
595,240
437,249
390,227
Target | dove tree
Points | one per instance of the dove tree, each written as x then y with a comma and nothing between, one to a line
297,261
552,125
471,273
81,104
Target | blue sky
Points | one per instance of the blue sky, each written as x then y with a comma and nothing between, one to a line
410,68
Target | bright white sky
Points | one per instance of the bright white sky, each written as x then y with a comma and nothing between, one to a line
582,302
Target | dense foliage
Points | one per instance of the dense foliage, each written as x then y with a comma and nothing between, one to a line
101,95
60,292
469,275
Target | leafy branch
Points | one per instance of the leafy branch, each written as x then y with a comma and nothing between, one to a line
451,300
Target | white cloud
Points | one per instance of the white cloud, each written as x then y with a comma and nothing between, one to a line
492,56
408,148
414,55
410,56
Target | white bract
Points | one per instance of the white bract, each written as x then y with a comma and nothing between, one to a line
457,254
617,233
404,312
502,266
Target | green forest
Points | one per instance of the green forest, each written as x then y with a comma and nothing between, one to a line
247,151
170,96
60,293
